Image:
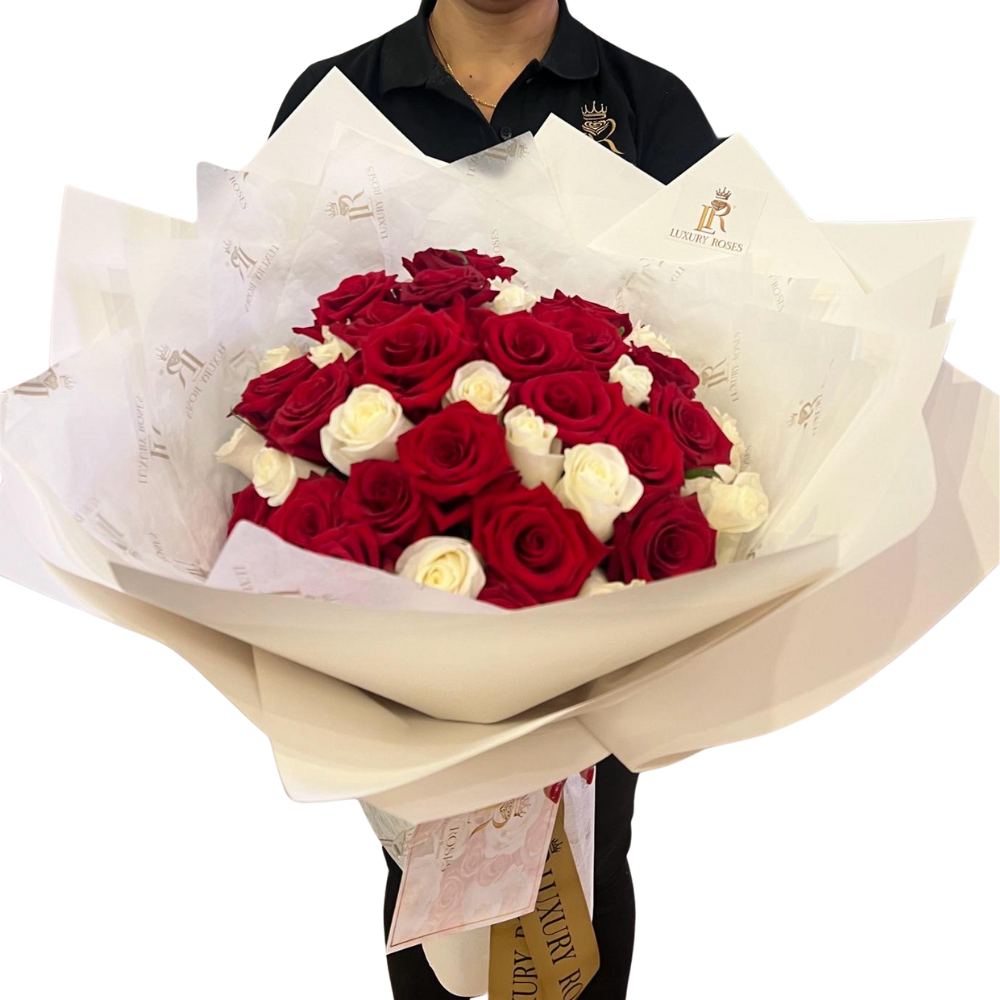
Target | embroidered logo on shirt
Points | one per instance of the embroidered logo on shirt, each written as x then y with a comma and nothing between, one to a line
599,126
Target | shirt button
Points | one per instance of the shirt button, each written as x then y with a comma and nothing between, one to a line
505,133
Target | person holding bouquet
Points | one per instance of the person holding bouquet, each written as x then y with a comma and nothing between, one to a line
462,76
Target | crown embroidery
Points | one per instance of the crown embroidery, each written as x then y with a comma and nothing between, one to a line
599,126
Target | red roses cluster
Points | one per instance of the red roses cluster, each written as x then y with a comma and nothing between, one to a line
395,429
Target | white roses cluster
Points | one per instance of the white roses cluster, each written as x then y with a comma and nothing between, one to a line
272,472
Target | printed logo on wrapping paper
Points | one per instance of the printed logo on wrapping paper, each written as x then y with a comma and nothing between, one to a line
180,364
191,372
355,207
250,269
102,523
725,373
351,207
724,221
496,158
45,384
152,445
599,126
234,183
238,259
807,415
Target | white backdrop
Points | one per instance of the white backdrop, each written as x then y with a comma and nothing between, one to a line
148,850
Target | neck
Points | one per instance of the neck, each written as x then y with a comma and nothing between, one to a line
488,43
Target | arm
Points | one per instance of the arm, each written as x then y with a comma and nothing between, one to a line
677,136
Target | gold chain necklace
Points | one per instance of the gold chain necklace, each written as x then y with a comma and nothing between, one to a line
451,72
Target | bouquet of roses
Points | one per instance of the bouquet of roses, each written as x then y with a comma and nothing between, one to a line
461,432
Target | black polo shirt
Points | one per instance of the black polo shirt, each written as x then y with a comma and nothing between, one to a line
631,107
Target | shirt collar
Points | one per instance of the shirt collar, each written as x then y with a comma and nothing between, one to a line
407,59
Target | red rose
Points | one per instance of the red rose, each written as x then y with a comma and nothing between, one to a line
353,542
296,426
522,346
663,535
415,357
528,539
266,394
381,495
249,505
649,448
619,320
347,299
666,370
374,315
312,508
439,288
430,259
581,405
454,454
596,338
700,438
504,594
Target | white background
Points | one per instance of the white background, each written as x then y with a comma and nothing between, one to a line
148,850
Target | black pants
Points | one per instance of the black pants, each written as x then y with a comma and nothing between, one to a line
614,902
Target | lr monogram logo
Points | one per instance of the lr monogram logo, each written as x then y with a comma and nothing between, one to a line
46,383
238,258
805,413
508,151
718,209
351,207
157,448
599,126
712,375
177,362
503,814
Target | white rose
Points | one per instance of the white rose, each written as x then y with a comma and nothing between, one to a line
277,357
450,564
480,383
644,336
597,583
533,447
636,380
366,425
729,428
330,350
512,298
735,503
241,449
596,482
275,474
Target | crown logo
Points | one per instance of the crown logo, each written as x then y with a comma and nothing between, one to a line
594,112
163,352
722,193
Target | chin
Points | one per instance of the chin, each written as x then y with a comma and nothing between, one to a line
498,6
